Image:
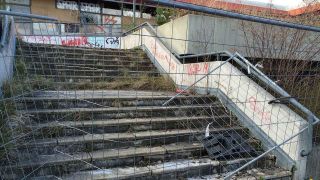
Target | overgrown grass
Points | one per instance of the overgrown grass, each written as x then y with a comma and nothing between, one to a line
19,85
143,82
7,109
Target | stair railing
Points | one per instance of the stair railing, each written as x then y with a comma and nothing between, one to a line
240,60
256,73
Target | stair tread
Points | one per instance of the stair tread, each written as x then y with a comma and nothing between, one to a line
93,76
127,172
252,174
102,94
114,122
128,135
105,109
61,157
176,166
96,70
96,96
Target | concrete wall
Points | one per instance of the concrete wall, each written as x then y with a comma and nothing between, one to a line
202,34
175,33
210,34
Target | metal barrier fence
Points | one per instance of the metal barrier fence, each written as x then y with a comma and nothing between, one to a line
134,106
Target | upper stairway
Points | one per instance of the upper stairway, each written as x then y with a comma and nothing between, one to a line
98,114
82,68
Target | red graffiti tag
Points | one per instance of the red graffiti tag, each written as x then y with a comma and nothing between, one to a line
196,68
265,116
163,57
110,20
75,41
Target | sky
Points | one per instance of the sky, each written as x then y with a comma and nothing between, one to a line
277,4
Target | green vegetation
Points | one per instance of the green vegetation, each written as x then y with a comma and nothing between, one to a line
163,15
128,27
20,84
140,83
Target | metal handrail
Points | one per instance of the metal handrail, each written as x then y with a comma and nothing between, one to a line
240,60
274,86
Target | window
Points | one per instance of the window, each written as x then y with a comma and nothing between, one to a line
70,28
45,29
90,18
21,2
24,28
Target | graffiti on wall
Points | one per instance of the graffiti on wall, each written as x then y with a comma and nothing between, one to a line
199,68
259,110
81,41
161,55
111,24
45,28
112,20
73,5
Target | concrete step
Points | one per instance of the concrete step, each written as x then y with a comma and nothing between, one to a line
254,173
97,72
72,114
94,142
135,124
74,101
63,163
151,83
47,66
90,63
56,48
90,72
89,79
80,56
177,169
104,94
191,169
84,60
128,84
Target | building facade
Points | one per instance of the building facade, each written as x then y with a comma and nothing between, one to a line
80,17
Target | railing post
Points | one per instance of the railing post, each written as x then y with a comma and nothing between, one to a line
306,148
309,136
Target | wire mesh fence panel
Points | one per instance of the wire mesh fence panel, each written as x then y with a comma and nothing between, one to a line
88,102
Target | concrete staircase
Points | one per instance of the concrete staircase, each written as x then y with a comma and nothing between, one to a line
79,129
83,68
